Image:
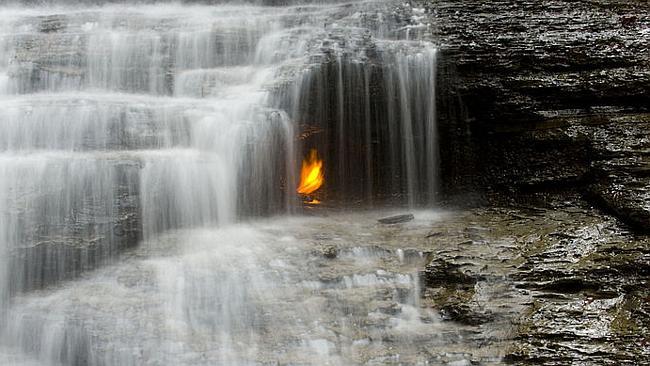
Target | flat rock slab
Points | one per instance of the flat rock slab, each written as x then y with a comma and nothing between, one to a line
397,219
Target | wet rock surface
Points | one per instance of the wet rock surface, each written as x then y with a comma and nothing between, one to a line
551,100
583,275
579,278
554,282
546,95
537,279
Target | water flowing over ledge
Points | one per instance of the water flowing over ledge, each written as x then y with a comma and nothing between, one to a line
150,130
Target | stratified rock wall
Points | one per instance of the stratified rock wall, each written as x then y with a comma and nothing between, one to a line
551,94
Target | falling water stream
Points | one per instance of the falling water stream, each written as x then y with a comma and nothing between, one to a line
148,162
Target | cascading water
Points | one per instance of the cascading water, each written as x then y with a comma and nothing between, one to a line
149,130
372,106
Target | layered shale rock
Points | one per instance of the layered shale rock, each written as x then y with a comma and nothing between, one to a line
543,104
552,94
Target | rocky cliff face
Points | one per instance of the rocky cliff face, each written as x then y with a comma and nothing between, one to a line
547,104
546,95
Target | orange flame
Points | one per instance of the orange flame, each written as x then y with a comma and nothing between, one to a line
311,175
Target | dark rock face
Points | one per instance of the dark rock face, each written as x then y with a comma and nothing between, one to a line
621,171
547,104
551,94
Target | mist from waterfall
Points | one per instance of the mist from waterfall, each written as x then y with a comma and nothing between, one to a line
137,136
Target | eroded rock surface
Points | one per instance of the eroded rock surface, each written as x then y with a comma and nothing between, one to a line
552,94
572,282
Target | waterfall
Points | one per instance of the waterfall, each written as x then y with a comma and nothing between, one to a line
124,125
374,113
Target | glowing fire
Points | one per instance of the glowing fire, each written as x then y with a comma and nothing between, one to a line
311,175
